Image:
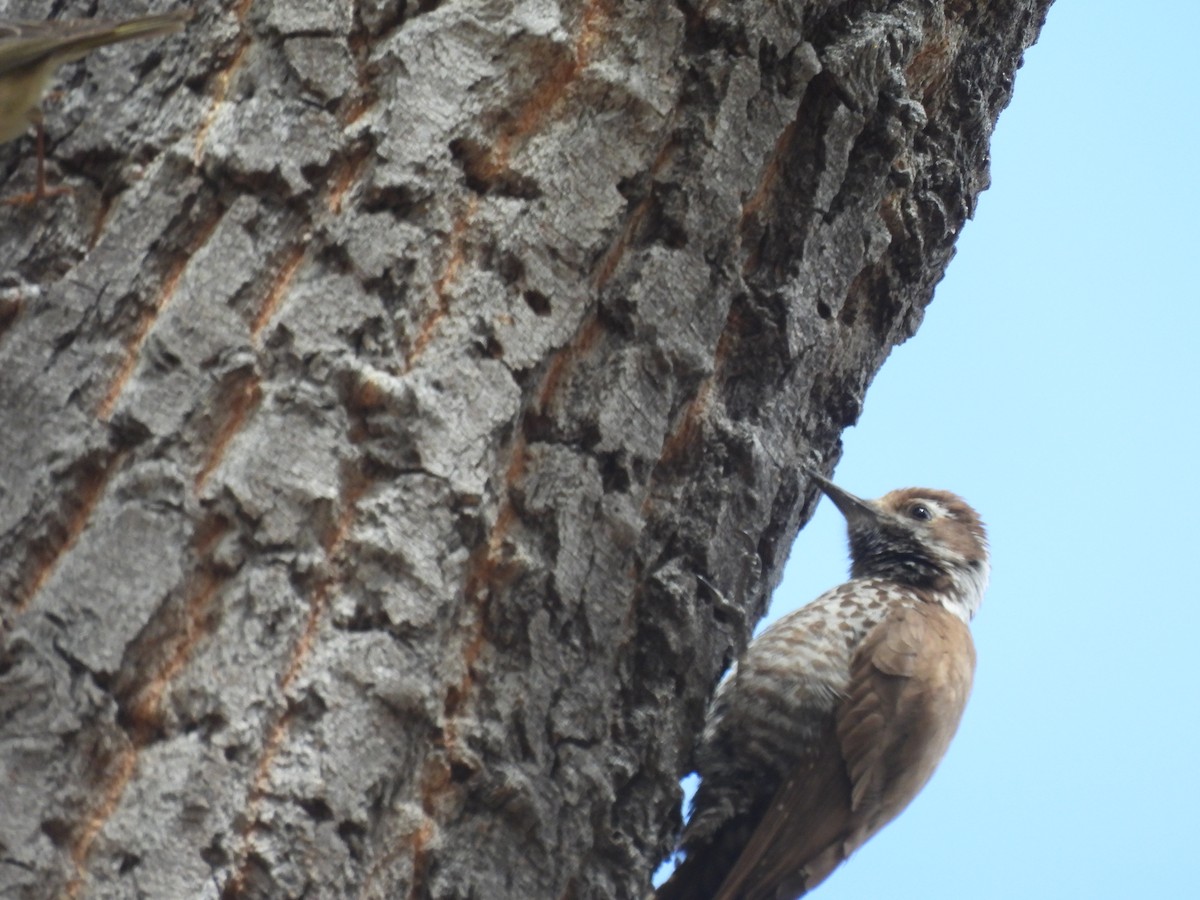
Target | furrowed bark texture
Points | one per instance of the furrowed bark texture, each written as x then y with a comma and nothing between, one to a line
375,410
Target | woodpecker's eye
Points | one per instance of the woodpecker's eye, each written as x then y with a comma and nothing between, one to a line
920,511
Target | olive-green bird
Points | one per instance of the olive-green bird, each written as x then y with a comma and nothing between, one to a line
30,54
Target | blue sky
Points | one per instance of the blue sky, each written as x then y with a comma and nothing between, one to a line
1054,384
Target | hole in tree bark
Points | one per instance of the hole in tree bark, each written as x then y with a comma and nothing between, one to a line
317,808
9,311
352,835
613,474
538,302
491,348
57,830
214,854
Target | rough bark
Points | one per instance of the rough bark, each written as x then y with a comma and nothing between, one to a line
375,410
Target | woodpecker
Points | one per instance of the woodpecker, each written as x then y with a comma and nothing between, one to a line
837,715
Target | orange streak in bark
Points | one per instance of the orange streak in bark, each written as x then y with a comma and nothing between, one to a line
554,87
487,570
584,340
352,492
241,399
137,339
770,174
683,435
221,85
133,348
349,172
454,262
531,116
277,289
146,710
124,765
88,489
615,253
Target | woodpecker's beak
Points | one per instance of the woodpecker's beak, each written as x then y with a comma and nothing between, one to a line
855,509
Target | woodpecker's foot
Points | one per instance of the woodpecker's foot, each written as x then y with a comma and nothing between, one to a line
722,604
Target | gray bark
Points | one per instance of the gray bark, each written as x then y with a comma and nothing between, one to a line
375,410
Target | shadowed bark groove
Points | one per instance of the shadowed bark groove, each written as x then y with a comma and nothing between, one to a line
375,409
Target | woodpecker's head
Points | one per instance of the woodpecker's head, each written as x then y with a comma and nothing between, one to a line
929,539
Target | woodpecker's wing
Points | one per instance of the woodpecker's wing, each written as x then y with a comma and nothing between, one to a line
908,686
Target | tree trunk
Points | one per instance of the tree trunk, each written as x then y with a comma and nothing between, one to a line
400,423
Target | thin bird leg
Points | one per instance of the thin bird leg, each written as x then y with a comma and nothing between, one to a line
31,197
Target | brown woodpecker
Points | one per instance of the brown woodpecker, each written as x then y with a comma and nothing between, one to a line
837,715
